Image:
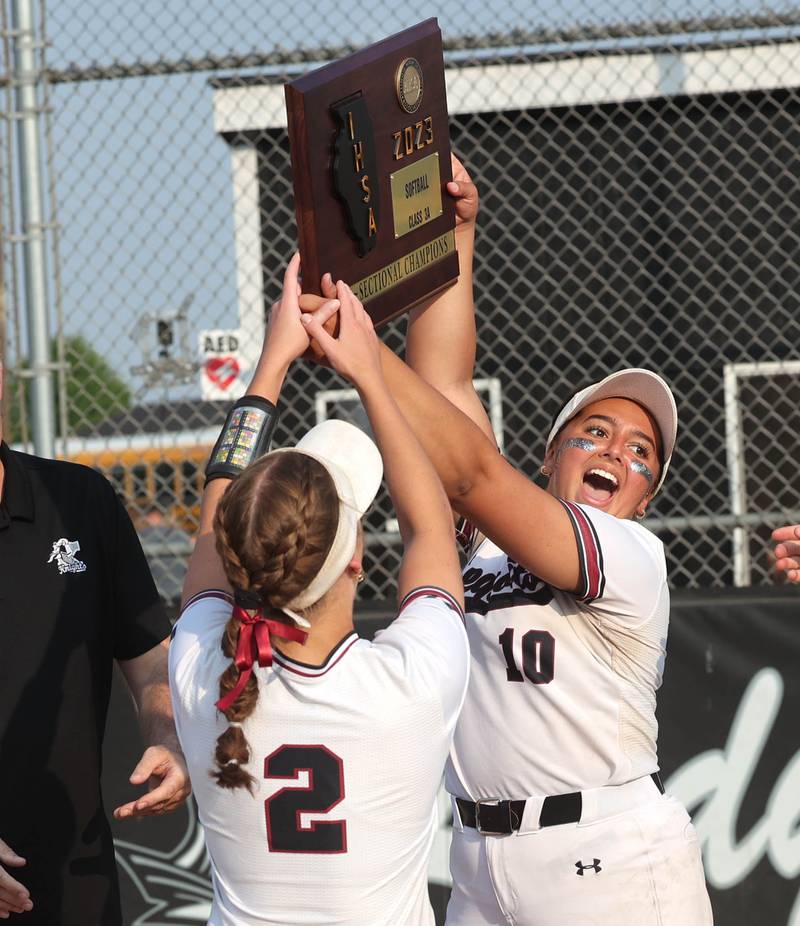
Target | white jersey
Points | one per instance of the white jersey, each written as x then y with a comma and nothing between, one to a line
562,687
347,757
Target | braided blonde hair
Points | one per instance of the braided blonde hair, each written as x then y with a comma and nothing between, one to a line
274,527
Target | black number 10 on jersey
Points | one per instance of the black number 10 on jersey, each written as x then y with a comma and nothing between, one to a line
324,790
538,656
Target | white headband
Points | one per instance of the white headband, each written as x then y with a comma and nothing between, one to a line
355,465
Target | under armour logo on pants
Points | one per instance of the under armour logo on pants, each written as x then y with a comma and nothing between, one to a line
594,867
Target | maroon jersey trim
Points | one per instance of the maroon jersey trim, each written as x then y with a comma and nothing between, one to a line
300,668
208,593
592,579
431,591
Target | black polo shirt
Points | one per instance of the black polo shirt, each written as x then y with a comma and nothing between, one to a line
75,594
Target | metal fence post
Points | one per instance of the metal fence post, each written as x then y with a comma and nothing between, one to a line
26,79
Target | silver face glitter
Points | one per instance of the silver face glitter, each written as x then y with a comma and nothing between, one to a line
582,443
638,467
589,446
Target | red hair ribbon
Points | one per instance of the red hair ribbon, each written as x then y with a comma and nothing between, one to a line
254,645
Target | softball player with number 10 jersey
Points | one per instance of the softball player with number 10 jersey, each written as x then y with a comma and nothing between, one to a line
559,813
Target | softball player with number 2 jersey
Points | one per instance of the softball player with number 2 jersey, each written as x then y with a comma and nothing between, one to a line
316,756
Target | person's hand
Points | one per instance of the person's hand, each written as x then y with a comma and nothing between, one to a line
327,286
167,780
464,193
286,339
311,302
326,307
14,897
787,551
355,353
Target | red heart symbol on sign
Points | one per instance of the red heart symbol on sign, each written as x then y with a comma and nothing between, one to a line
222,371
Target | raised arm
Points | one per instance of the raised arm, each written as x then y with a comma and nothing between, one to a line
526,522
423,514
285,340
440,405
440,343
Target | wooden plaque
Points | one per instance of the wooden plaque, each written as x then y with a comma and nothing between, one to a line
370,148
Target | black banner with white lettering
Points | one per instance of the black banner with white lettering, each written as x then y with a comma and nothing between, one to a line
728,746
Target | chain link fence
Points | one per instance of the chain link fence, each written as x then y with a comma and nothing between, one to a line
640,207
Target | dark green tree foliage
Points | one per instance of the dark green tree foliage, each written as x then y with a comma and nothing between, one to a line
94,390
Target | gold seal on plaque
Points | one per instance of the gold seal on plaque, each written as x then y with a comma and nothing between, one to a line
408,84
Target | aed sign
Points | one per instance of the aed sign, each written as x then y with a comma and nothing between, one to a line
220,342
223,370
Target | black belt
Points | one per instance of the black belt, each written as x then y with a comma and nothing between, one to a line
499,818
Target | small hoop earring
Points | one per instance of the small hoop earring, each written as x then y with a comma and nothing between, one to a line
638,515
545,470
360,578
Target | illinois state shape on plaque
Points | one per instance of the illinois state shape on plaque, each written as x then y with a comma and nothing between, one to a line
355,173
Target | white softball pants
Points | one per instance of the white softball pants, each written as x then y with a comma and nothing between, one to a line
637,867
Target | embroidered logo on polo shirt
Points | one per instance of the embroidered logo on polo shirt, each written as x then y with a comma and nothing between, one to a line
64,555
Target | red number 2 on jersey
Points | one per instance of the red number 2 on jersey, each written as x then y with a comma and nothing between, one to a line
325,789
538,656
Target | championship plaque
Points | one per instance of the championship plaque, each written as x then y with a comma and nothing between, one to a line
370,148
